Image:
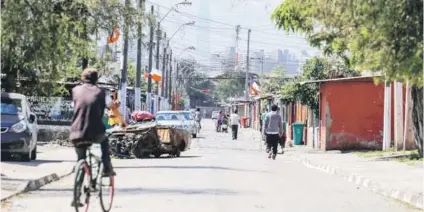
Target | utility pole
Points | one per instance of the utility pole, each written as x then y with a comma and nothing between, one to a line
149,80
236,47
262,65
137,105
164,80
170,78
167,77
158,37
246,86
124,68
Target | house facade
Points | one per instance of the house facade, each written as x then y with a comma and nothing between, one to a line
351,114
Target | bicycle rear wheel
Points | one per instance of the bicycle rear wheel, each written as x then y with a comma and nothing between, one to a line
81,186
106,190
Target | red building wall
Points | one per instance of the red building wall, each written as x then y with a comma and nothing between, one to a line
351,114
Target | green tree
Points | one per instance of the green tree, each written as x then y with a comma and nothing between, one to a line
47,41
231,84
314,69
272,82
380,35
193,82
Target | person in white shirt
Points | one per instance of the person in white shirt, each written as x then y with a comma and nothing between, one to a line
234,121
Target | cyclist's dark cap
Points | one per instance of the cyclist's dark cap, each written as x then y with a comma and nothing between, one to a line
90,75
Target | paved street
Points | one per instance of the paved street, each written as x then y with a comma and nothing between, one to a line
217,174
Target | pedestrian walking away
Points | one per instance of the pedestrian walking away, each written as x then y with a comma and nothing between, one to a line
234,121
272,130
198,117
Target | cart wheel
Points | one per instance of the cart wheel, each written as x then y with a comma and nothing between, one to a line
178,153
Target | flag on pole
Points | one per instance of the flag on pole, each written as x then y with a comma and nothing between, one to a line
254,87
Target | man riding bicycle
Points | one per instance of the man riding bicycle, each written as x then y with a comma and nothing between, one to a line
87,127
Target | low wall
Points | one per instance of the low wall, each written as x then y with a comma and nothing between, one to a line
49,133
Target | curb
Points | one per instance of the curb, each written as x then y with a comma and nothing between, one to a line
415,200
36,184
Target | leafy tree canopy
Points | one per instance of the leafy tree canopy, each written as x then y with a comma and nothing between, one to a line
314,69
45,41
271,83
379,35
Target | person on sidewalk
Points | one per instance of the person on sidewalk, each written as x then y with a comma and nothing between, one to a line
272,130
262,119
89,102
115,117
234,121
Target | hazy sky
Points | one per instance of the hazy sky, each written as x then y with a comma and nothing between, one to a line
214,28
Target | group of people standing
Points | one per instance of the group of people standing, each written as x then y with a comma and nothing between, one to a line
233,120
272,130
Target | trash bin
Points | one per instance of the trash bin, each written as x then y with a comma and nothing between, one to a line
297,133
244,122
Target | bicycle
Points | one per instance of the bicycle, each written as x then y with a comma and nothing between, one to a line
88,180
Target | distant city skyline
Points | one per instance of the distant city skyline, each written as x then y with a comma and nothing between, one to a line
215,31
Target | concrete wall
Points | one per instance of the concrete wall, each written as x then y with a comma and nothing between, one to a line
48,133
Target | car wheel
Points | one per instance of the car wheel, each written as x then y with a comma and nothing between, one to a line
34,153
157,155
26,157
6,156
194,135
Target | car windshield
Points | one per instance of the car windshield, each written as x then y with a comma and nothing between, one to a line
187,116
10,106
168,117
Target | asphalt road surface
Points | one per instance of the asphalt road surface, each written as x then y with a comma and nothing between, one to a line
217,174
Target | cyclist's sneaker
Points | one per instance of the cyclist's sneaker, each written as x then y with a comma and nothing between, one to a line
109,172
77,203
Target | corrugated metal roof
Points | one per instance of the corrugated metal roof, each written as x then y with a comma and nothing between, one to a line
339,79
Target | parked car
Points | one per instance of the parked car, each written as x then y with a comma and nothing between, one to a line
194,127
215,114
19,128
176,120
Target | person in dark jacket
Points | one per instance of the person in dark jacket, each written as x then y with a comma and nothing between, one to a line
89,102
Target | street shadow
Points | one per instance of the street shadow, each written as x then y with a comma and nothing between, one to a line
175,158
14,161
187,167
149,191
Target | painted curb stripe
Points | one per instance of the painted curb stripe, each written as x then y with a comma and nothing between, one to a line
36,184
412,199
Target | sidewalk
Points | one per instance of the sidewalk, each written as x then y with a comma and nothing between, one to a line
389,178
53,162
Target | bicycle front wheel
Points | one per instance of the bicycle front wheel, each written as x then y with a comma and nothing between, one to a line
81,198
106,190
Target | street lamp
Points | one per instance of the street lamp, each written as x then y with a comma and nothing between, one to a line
191,23
174,8
188,48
